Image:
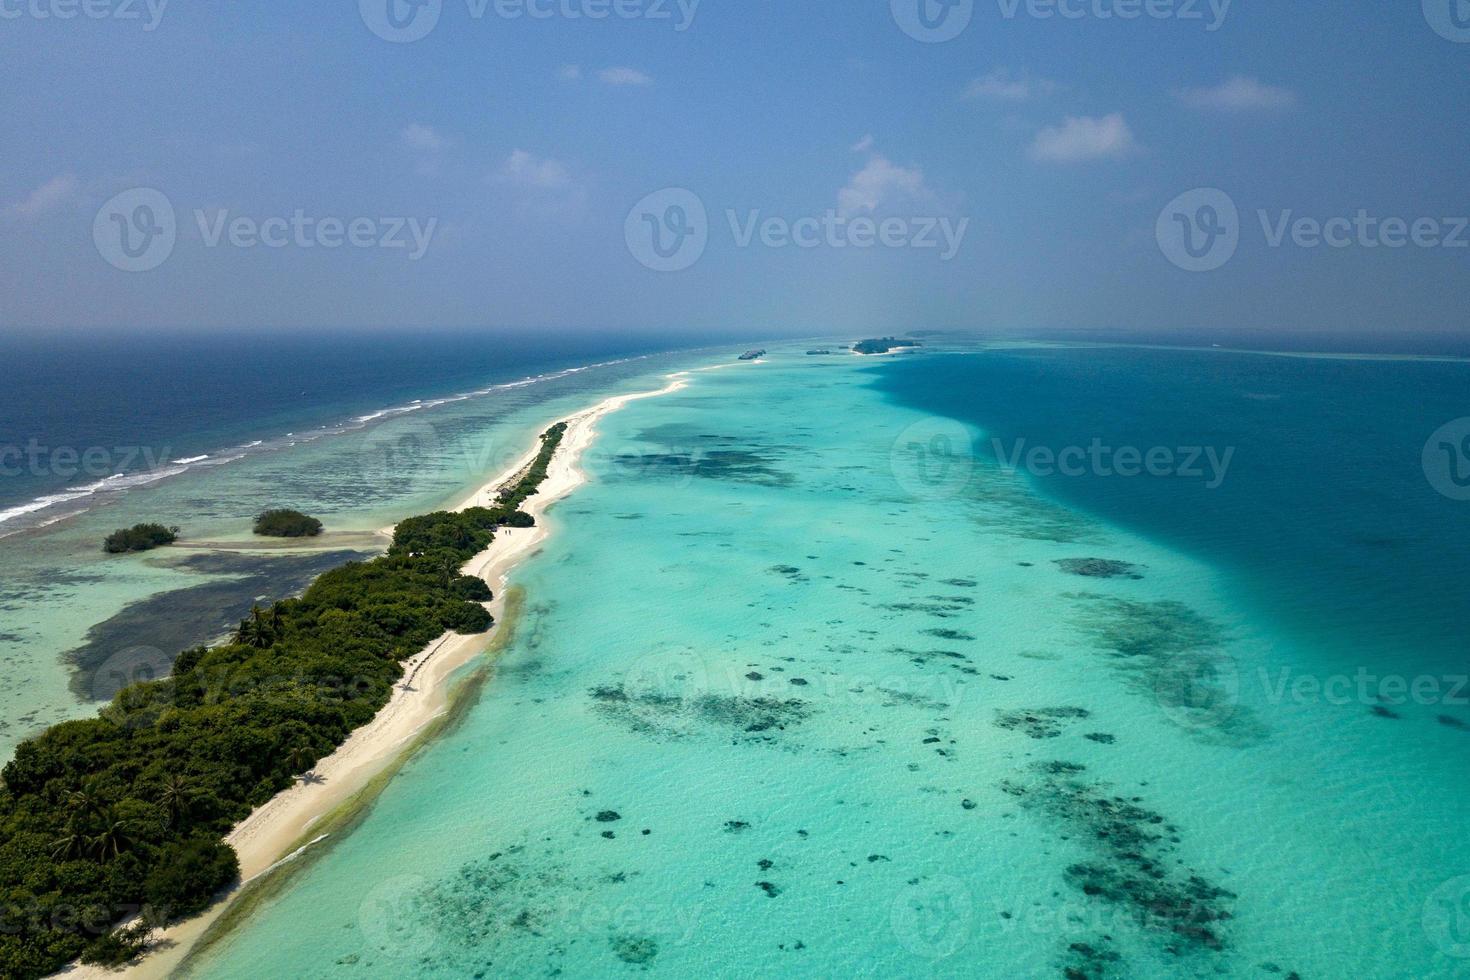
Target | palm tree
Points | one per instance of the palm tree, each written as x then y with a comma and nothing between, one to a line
255,630
70,845
448,570
301,759
114,837
176,796
84,800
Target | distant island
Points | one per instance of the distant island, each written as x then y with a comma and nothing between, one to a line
140,537
283,523
752,355
883,345
815,353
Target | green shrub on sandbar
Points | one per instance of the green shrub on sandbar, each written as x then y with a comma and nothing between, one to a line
284,523
123,816
139,537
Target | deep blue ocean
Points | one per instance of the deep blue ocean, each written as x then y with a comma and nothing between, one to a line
137,401
1325,516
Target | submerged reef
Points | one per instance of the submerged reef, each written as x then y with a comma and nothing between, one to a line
747,719
1039,723
1175,658
1099,568
1134,867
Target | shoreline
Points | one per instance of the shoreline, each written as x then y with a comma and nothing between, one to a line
279,831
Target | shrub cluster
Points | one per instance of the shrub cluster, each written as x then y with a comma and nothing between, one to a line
139,537
287,524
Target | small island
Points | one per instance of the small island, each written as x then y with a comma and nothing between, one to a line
140,537
817,353
283,523
752,355
883,345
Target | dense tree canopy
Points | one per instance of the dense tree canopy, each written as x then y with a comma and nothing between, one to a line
123,816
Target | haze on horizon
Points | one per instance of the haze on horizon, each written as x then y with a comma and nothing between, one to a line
720,169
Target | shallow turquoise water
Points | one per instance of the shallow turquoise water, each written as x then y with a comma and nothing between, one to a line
801,692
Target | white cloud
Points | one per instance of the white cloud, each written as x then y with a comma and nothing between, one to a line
1001,86
863,145
419,136
624,77
1081,138
540,173
1238,94
881,183
570,73
55,191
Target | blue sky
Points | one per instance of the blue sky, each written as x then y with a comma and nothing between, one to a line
518,147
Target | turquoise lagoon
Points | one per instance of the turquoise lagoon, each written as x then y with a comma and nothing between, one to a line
803,689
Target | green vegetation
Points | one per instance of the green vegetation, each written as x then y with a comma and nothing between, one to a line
883,345
140,537
287,524
124,815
